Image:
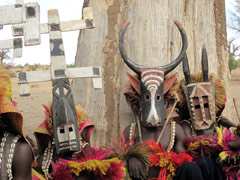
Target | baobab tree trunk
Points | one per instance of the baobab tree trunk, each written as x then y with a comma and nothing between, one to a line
151,39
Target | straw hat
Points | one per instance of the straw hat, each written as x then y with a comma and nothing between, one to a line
4,79
7,107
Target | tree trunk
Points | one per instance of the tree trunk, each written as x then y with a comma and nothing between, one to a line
151,39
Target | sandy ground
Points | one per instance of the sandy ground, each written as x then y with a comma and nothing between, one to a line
234,91
31,107
33,112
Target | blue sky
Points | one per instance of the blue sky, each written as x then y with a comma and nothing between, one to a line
229,9
68,10
230,33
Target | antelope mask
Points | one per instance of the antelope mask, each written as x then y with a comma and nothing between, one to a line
200,96
152,81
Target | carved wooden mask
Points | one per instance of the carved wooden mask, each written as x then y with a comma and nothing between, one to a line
65,126
201,104
151,86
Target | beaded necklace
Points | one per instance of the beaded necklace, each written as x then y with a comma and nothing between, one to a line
10,157
189,122
2,146
48,155
47,159
172,139
11,153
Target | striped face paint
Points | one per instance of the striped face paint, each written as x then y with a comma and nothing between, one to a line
152,78
152,99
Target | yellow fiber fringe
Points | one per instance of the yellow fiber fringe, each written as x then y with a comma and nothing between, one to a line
164,162
9,90
81,115
220,131
195,145
223,155
4,79
38,175
91,165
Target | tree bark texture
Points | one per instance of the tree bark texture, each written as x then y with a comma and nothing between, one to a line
151,39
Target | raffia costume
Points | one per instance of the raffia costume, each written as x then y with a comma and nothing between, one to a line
151,87
11,135
202,101
151,153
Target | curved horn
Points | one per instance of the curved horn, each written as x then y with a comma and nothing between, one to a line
186,70
172,65
131,65
204,64
169,67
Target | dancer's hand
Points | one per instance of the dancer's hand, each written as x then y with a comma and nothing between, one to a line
234,145
136,169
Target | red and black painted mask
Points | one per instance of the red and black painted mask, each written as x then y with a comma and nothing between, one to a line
200,96
152,81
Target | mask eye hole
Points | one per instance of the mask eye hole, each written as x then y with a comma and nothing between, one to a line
197,106
70,129
158,97
62,131
147,97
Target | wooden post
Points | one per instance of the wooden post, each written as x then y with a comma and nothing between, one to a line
85,23
31,28
25,20
27,14
12,14
15,44
58,63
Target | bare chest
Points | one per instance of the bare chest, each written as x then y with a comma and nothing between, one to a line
168,137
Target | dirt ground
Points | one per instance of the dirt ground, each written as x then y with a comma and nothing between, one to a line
234,91
31,107
33,112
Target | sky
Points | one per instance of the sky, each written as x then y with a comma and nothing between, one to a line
229,9
230,33
68,10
